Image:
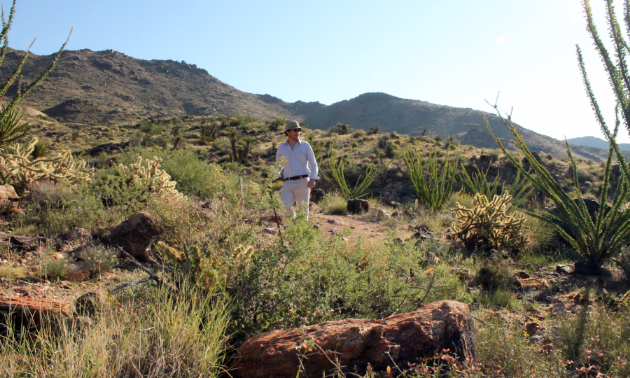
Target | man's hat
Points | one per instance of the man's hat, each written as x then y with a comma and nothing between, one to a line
292,125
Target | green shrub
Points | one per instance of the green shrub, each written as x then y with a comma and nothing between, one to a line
52,268
358,134
99,258
334,205
193,175
341,129
315,279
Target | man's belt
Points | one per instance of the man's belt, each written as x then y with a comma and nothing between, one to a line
295,178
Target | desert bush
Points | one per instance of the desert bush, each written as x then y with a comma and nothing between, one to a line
156,335
313,279
433,188
52,268
341,129
221,144
334,205
595,341
489,225
11,273
49,194
99,258
358,134
505,351
493,275
193,175
373,130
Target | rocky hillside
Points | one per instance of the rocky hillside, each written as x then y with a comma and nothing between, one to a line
106,87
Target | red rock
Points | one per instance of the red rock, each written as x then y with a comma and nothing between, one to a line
29,312
407,338
9,199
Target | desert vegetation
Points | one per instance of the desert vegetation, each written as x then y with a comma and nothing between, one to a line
157,248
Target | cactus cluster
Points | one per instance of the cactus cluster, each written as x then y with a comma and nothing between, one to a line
213,271
19,168
488,224
151,177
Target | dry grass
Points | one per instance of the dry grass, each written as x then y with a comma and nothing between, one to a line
155,336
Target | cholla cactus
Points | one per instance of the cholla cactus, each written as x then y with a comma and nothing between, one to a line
215,271
18,168
152,177
488,225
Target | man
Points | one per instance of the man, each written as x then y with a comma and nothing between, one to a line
300,169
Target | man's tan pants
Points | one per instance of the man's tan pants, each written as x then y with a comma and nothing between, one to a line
296,191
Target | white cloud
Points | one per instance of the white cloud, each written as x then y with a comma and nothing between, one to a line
501,40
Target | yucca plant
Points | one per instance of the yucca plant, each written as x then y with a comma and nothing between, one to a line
11,126
433,186
336,166
477,183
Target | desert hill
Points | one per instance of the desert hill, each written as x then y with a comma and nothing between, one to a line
107,87
592,141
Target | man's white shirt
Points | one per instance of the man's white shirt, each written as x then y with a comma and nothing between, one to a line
299,161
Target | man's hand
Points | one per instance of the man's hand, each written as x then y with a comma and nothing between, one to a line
311,183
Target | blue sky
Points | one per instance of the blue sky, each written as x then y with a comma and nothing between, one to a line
450,52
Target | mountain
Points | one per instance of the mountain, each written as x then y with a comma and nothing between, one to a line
107,87
592,141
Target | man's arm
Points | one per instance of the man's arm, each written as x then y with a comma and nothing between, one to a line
280,161
310,156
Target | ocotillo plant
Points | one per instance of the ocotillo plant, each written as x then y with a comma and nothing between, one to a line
477,182
597,237
11,126
336,168
433,186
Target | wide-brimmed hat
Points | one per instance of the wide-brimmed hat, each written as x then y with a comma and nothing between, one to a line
292,125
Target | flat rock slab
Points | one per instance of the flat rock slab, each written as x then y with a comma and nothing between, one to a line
400,339
29,312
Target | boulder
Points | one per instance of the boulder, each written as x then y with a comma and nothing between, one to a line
136,235
23,241
77,233
88,303
317,195
107,148
77,271
587,268
357,206
382,214
9,199
400,339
